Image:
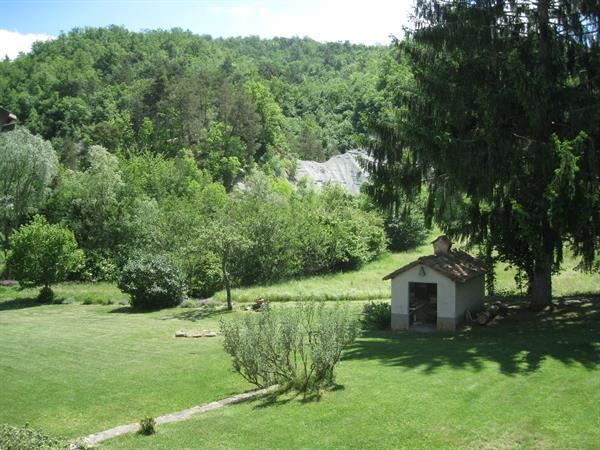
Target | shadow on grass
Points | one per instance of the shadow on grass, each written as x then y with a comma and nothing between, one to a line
19,303
283,396
518,342
130,310
195,315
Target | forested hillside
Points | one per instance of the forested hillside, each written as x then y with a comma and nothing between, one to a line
134,142
232,102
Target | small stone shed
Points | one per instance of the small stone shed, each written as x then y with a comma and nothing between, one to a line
437,289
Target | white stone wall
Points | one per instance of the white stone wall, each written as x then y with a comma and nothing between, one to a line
445,291
469,295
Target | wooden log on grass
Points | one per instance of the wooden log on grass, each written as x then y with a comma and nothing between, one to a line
488,314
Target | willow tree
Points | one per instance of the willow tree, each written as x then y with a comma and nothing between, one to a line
501,121
28,164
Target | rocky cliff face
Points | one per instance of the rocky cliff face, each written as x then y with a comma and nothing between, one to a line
342,169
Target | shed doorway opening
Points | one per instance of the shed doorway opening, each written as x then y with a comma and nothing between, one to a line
422,303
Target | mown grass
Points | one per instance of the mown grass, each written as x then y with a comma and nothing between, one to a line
74,369
527,381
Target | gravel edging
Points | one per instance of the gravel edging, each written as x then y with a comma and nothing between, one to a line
176,416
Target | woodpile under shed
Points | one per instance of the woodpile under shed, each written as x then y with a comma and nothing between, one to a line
490,312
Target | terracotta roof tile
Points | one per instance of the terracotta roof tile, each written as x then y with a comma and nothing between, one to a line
457,265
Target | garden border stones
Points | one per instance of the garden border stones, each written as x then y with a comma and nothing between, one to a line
176,416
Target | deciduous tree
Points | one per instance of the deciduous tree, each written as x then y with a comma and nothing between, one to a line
28,164
43,254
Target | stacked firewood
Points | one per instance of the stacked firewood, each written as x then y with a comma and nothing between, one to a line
490,312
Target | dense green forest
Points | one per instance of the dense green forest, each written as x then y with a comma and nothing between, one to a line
135,142
249,100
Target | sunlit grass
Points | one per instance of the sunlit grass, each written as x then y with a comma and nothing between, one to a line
77,369
529,380
367,284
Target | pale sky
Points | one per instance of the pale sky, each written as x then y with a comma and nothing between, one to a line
367,21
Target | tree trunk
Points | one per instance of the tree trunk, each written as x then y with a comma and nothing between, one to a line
541,287
227,285
6,272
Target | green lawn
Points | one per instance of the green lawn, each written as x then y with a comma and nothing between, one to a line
76,369
528,381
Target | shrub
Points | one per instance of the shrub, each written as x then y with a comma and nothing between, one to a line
26,438
296,347
99,266
405,231
377,315
147,425
46,295
202,272
153,282
42,254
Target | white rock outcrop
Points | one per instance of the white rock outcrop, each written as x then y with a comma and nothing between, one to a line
344,170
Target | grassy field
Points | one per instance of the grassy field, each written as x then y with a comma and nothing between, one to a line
68,293
76,369
362,285
528,381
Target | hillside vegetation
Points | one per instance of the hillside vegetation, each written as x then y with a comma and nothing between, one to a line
170,90
173,144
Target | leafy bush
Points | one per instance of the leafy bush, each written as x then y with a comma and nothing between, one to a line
377,315
306,232
147,426
297,347
99,266
153,282
202,272
46,295
26,438
42,254
405,231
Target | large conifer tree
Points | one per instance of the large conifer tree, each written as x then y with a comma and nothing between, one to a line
502,118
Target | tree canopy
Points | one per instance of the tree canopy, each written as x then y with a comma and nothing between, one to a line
43,254
160,90
28,164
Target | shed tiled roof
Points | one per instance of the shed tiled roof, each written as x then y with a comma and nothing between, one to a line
457,265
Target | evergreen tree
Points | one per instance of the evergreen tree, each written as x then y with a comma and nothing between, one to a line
500,120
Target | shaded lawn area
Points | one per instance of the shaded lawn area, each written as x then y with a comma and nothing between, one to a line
527,381
76,369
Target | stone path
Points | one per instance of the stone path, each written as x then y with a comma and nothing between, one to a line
177,416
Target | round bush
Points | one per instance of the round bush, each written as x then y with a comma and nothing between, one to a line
203,274
46,295
377,316
405,233
153,282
